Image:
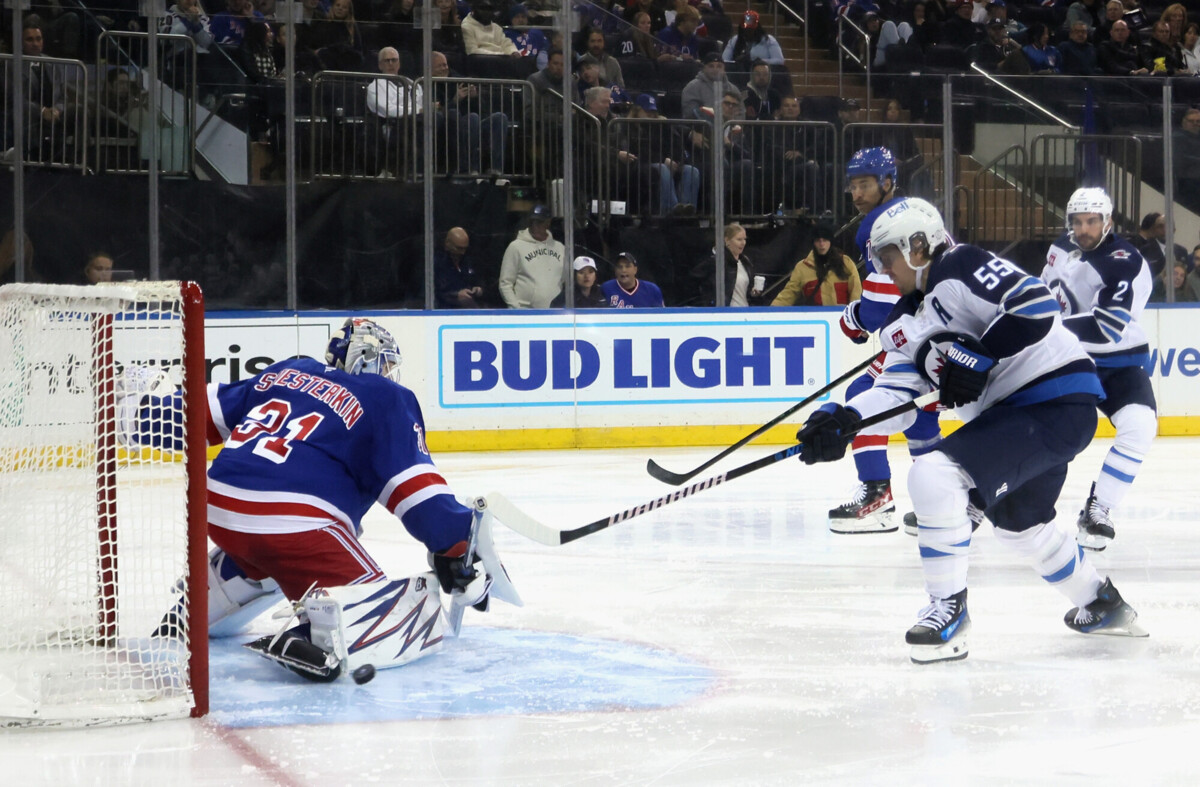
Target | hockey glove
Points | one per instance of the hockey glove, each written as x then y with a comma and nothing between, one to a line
850,325
965,368
826,434
457,575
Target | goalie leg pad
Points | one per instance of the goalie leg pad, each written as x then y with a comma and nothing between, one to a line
233,598
385,624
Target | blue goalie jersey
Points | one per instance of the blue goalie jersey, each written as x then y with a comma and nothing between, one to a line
307,445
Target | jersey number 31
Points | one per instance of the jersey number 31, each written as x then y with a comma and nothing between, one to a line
262,425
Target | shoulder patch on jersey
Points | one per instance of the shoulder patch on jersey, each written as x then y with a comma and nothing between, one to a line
898,338
1120,254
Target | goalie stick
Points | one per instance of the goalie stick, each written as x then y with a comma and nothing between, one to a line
675,479
531,528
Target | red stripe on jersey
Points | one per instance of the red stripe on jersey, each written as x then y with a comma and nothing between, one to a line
212,433
869,441
253,508
412,486
880,287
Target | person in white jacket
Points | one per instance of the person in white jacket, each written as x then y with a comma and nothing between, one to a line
531,274
481,34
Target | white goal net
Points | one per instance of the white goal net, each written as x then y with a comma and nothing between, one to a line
101,504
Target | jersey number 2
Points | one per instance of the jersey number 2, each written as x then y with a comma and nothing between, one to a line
262,424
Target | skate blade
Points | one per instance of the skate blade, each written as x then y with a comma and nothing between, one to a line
1092,543
1129,628
954,650
872,523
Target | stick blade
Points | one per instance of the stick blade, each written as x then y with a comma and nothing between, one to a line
516,519
660,473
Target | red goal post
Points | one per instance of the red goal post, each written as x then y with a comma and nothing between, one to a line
103,531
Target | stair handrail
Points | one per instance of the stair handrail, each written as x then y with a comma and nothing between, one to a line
779,5
865,62
1026,99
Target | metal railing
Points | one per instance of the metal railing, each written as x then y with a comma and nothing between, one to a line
55,120
780,168
123,121
864,60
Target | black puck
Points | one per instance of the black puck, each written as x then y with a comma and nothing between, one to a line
364,674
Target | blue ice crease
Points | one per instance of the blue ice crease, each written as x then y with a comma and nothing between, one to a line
486,672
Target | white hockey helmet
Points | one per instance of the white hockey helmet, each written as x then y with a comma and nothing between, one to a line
1090,199
907,221
363,347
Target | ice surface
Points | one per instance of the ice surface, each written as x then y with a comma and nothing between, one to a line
728,638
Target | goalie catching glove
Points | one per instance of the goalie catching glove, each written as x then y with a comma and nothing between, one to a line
965,369
826,434
471,573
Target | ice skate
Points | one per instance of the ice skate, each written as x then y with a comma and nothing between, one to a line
976,515
1108,614
1095,528
940,634
871,510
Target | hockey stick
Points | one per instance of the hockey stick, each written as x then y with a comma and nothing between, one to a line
532,529
675,479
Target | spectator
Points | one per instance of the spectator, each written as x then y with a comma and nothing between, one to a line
762,101
1113,10
959,30
848,112
890,34
925,32
752,44
529,41
1151,241
610,69
464,117
61,27
589,77
1085,11
389,98
698,93
1192,282
337,38
1079,56
797,165
588,294
1179,281
658,149
1186,148
997,9
1191,49
1175,15
531,273
639,41
742,287
1159,55
652,9
455,283
401,26
826,277
50,109
187,18
256,56
680,39
993,50
626,291
449,36
1043,57
228,28
99,268
481,34
546,80
1118,57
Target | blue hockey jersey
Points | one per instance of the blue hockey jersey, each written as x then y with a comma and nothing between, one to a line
645,294
971,291
879,294
308,445
1102,293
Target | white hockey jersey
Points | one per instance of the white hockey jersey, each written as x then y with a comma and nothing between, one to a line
971,291
1102,293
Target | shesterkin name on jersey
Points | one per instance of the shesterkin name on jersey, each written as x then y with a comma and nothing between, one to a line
340,400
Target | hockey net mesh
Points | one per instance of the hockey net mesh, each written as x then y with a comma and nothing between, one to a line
93,530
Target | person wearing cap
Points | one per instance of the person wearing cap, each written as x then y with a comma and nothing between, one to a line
588,294
1089,12
679,38
998,9
529,41
627,291
848,112
698,93
610,69
826,277
481,34
531,273
989,53
658,149
752,44
958,30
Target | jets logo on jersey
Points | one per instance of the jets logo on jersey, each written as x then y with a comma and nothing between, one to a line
421,439
1066,304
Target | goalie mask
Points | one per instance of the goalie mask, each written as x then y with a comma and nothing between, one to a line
362,347
1090,200
908,222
